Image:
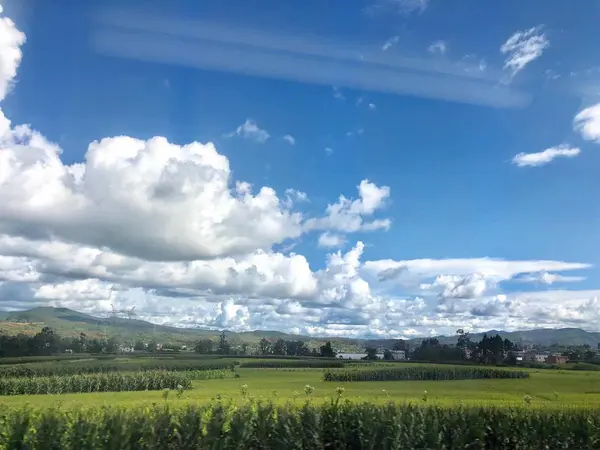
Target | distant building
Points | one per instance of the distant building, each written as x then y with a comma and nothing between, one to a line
398,355
535,356
351,355
557,359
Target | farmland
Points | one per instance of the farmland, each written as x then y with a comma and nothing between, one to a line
289,402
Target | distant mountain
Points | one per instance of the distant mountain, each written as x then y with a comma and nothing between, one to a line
70,323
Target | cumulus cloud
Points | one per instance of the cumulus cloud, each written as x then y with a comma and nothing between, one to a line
251,131
165,228
545,277
329,240
438,48
348,215
523,47
587,123
545,157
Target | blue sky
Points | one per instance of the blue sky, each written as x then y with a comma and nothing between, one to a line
473,127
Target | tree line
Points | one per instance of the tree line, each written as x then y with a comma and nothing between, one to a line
266,347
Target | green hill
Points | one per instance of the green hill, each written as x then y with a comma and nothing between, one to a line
71,323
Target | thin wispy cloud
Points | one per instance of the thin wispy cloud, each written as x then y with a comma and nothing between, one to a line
524,47
438,48
289,139
545,157
402,7
250,130
305,59
372,106
337,94
389,43
328,151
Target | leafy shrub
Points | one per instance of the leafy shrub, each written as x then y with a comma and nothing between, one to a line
96,382
421,374
330,426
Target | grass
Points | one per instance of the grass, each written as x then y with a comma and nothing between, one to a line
546,388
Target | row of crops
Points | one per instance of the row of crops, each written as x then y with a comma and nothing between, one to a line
330,426
292,364
424,373
105,366
98,382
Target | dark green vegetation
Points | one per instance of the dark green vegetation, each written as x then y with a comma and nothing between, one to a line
425,373
72,367
97,382
292,364
334,425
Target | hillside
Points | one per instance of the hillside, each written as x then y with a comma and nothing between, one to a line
70,323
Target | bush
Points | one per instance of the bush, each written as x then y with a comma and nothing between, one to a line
97,382
421,374
331,426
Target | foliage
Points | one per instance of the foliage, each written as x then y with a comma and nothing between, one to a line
423,373
371,353
97,382
106,366
327,350
339,425
292,364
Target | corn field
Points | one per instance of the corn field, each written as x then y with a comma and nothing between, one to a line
331,426
421,374
292,363
97,382
106,366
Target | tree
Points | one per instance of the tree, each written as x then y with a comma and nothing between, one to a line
244,348
371,353
387,355
280,347
83,343
139,345
400,344
204,347
327,350
224,347
265,346
46,342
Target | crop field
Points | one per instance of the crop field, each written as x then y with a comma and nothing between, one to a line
293,403
548,388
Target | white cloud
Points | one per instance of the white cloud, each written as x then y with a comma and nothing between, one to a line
545,277
250,130
438,48
390,42
546,156
328,150
524,47
372,106
209,46
331,240
11,40
289,139
167,229
587,122
349,215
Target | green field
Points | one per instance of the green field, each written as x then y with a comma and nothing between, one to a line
546,388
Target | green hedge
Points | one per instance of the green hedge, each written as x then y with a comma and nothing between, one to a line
97,382
105,366
421,374
292,363
343,426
